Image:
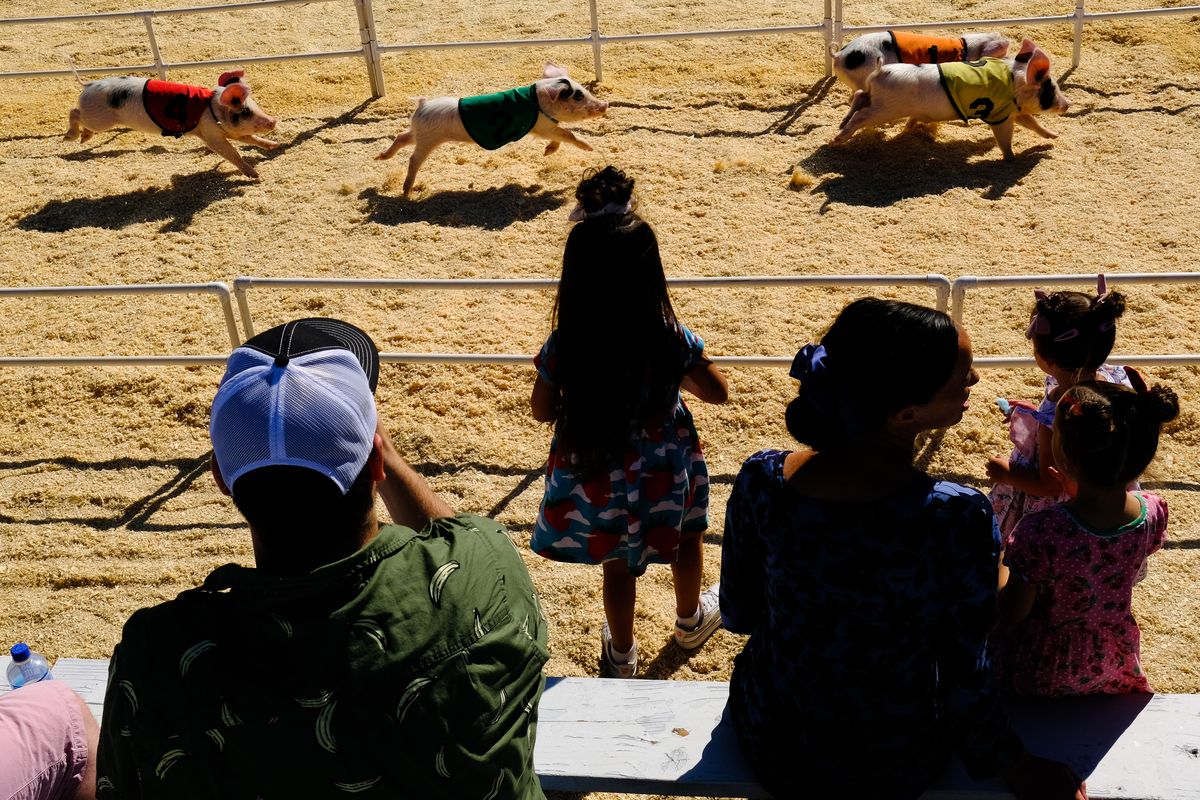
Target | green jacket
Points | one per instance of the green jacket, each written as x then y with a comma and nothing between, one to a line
980,89
494,120
411,669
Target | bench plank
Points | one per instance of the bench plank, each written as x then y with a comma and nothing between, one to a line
673,738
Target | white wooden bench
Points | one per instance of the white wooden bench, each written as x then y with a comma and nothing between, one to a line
673,738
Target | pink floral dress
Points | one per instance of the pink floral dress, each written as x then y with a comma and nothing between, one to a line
1081,637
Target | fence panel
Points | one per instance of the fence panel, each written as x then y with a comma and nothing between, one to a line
958,299
940,284
221,290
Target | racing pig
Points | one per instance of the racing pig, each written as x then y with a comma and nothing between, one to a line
856,60
997,91
493,120
216,116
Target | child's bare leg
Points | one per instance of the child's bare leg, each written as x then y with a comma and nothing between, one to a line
620,594
688,571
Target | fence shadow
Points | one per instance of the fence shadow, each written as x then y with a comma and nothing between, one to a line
493,208
789,114
138,515
873,171
175,206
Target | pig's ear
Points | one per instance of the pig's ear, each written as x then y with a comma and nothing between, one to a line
1027,46
230,77
552,70
1039,66
235,95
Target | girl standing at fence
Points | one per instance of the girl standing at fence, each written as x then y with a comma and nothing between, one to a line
626,482
867,586
1072,334
1065,622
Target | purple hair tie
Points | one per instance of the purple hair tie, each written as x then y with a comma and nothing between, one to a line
1038,324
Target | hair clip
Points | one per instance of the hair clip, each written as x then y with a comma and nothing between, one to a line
1067,335
1070,403
1101,286
579,213
1038,324
1108,325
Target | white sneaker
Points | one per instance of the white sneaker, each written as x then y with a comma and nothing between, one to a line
691,637
609,666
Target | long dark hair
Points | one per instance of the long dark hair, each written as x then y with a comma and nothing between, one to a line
1109,432
881,356
619,348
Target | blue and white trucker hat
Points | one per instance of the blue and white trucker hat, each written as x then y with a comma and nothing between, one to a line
300,394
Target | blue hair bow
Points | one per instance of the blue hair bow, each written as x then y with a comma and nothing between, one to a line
809,363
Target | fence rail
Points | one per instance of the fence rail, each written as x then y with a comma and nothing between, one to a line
949,296
831,26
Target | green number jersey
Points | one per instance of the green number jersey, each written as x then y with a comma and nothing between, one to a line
494,120
980,89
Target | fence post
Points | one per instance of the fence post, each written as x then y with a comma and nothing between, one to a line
1078,33
596,40
827,35
370,43
158,62
837,22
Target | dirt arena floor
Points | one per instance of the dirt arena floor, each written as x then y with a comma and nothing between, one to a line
105,496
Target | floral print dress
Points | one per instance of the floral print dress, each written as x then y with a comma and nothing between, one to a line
638,510
1081,637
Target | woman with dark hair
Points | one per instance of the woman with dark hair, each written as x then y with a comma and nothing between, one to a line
868,587
626,482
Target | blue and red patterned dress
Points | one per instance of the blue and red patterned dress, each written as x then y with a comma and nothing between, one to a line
639,509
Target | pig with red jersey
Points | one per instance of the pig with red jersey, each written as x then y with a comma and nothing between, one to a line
1000,92
217,116
493,120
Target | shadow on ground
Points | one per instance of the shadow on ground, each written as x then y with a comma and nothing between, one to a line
871,170
493,209
175,206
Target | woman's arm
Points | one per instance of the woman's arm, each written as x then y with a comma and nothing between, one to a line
706,382
1042,482
743,574
1016,601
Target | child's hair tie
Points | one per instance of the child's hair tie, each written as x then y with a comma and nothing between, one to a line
580,213
810,368
1071,404
1038,324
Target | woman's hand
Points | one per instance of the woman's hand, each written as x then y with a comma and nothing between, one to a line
1035,778
998,470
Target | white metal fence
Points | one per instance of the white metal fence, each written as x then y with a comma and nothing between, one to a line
951,297
831,27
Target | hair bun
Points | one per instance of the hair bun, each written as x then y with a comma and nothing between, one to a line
1109,306
1160,403
601,187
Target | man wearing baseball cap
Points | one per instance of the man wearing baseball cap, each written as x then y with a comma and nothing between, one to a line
356,659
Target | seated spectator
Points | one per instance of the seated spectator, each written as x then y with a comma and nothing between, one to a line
868,587
354,660
47,744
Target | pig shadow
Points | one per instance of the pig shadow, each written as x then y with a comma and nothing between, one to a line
493,209
175,206
872,171
789,114
94,153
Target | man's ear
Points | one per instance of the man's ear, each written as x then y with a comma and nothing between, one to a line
216,473
375,460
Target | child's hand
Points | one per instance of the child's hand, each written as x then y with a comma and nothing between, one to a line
998,470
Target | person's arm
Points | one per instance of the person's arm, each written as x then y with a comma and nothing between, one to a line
743,574
706,382
409,499
116,760
1042,482
541,401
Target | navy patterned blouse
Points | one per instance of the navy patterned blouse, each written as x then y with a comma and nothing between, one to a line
867,662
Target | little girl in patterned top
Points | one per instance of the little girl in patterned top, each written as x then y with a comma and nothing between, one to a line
1072,334
1065,624
626,482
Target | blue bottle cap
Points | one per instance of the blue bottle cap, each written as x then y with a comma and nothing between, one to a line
20,652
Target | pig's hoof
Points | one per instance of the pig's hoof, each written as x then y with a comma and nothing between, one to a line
551,148
586,146
269,145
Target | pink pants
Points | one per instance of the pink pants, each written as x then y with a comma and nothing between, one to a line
43,743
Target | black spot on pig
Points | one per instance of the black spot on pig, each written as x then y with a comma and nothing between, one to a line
1046,94
855,59
118,97
1021,58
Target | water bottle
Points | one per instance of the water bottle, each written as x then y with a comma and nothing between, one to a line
27,666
